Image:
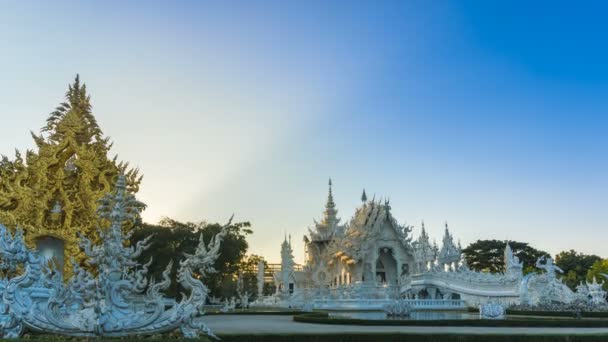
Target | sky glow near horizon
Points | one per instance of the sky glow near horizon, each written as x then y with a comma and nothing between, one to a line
489,116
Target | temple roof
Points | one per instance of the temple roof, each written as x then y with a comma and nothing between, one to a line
449,252
329,225
367,226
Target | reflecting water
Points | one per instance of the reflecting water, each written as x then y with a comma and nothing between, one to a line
416,315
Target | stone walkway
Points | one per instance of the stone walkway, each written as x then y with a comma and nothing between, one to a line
260,324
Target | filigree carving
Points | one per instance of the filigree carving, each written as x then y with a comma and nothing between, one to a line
53,192
117,300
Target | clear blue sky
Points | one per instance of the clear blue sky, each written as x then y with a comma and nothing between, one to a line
490,115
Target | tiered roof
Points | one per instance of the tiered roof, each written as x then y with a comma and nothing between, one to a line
449,252
330,223
365,227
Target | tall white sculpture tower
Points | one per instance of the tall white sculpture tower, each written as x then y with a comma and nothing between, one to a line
287,264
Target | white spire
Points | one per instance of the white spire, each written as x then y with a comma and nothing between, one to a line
330,215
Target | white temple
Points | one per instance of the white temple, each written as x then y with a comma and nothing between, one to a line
373,259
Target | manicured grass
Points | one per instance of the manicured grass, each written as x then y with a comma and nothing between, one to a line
323,318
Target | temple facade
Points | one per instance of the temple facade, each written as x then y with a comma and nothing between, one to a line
373,263
375,254
372,247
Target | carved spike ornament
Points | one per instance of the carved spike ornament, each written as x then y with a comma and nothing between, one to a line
118,300
54,192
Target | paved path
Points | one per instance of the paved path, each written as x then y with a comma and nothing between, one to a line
265,324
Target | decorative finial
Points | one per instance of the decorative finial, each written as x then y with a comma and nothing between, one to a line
330,196
363,196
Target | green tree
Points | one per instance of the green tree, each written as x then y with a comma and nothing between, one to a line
248,270
488,255
597,271
575,266
173,238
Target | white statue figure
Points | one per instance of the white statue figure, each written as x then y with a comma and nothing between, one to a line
548,266
582,292
118,300
596,292
543,290
513,266
229,305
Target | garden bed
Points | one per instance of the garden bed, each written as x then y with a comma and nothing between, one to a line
586,314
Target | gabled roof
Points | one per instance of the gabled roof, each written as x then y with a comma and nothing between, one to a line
366,227
330,223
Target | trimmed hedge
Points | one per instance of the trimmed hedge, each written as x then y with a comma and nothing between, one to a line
588,314
323,318
568,314
350,337
286,313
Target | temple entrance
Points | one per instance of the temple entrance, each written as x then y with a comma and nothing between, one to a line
386,267
51,249
380,272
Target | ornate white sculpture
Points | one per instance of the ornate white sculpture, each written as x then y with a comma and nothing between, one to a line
117,301
398,307
512,264
375,250
282,279
352,266
449,253
549,267
424,253
242,292
545,289
492,310
229,305
596,292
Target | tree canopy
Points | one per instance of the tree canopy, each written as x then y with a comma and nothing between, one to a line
597,269
575,266
488,255
173,238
